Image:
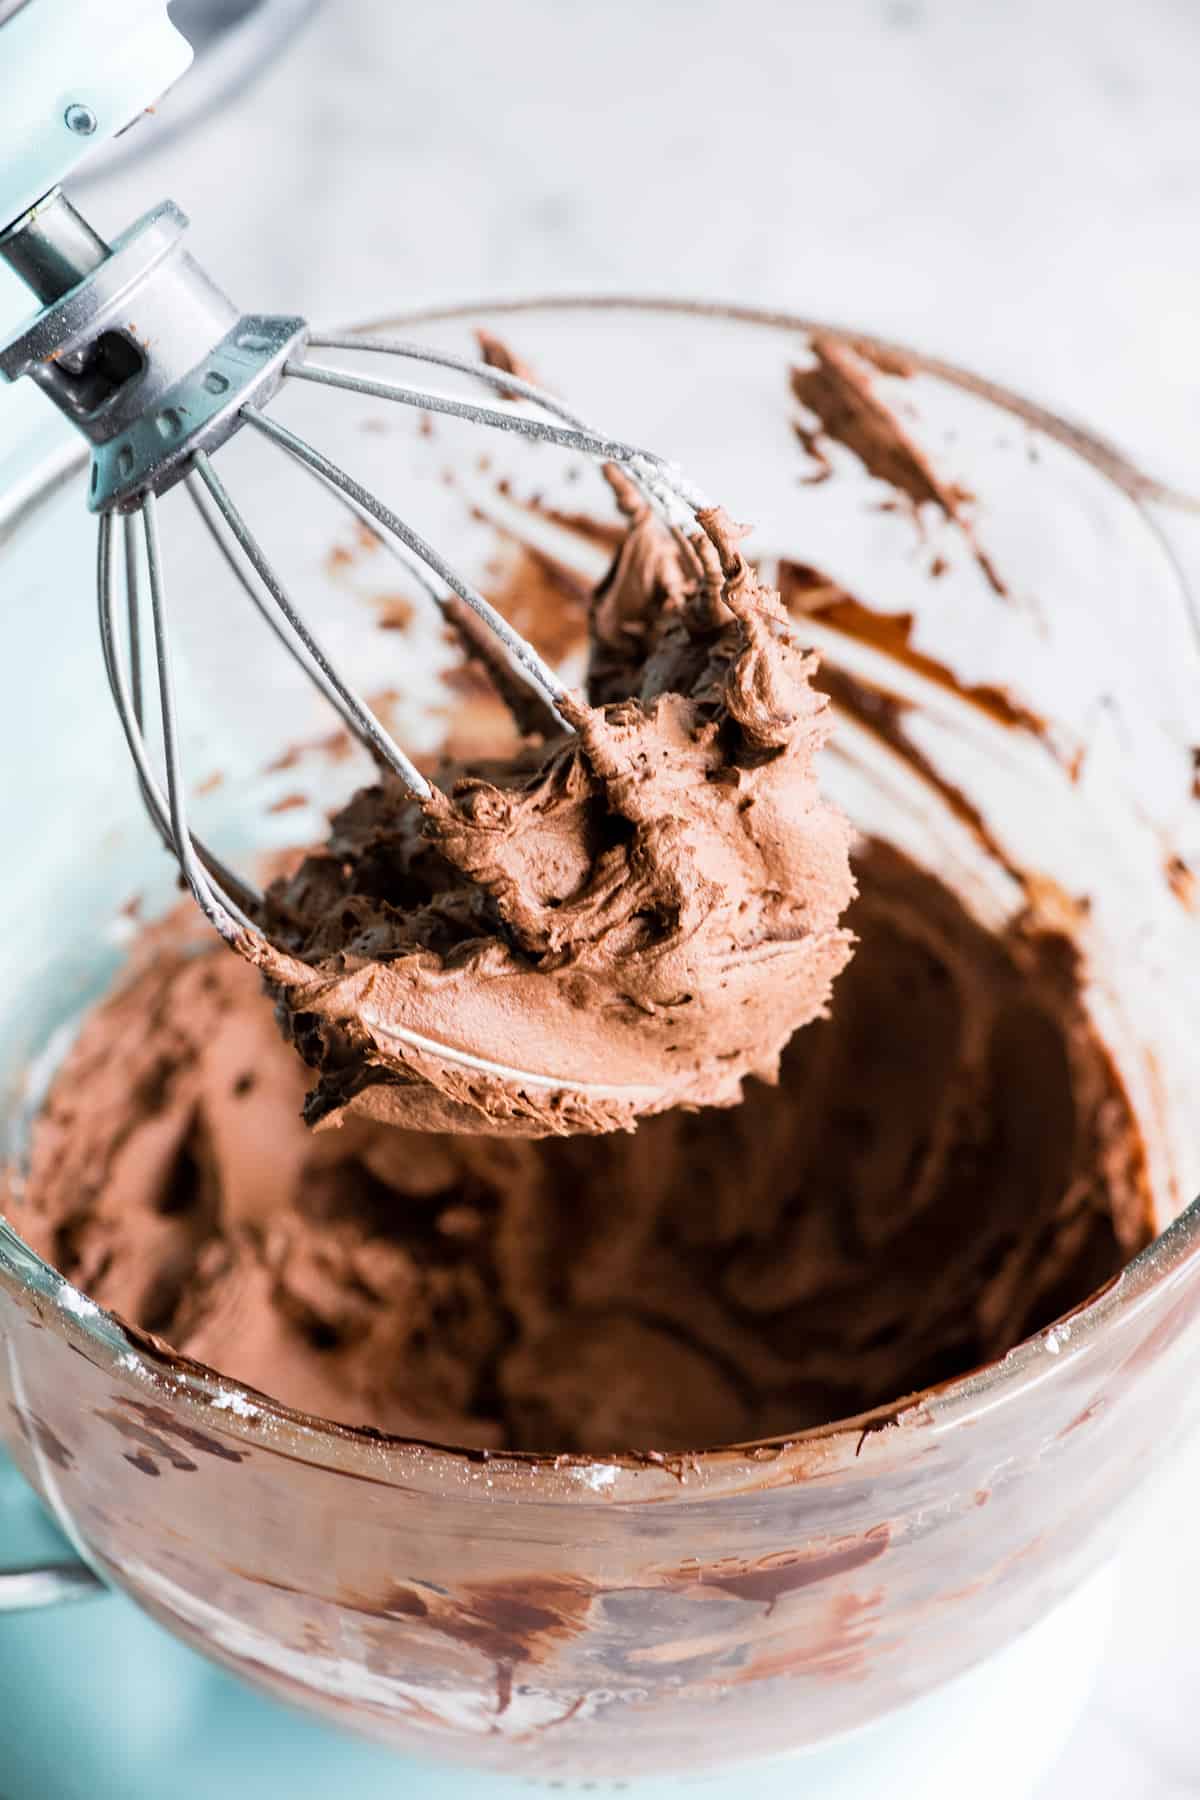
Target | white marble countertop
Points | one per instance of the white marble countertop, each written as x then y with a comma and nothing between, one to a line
1016,185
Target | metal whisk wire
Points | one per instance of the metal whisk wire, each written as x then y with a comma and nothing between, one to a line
212,885
678,499
228,901
157,399
522,653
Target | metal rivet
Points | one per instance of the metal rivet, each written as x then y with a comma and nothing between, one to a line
216,384
80,119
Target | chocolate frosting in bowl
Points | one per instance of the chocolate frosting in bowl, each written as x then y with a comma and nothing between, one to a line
947,1163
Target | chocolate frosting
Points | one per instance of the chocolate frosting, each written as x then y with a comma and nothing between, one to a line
948,1162
839,393
629,916
648,909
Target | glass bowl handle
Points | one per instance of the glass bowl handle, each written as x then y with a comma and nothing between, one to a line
37,1581
47,1584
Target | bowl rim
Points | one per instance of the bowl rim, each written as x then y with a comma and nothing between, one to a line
860,1442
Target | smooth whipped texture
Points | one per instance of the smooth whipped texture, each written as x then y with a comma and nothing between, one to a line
620,918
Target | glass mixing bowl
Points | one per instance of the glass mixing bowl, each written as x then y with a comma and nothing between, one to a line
581,1616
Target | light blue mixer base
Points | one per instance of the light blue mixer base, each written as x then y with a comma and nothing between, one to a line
98,1703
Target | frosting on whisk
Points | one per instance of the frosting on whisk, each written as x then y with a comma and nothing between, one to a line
628,916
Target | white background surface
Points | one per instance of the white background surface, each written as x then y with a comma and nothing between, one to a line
1012,182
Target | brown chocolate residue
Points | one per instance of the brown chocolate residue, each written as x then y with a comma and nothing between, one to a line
1182,881
469,681
1090,1412
201,1441
511,1622
545,600
807,593
565,1717
886,358
337,745
768,1581
838,388
605,534
885,714
838,1650
365,541
150,1443
522,1621
36,1432
498,355
510,704
393,612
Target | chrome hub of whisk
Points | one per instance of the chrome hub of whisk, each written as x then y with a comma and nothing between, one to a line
158,369
134,343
